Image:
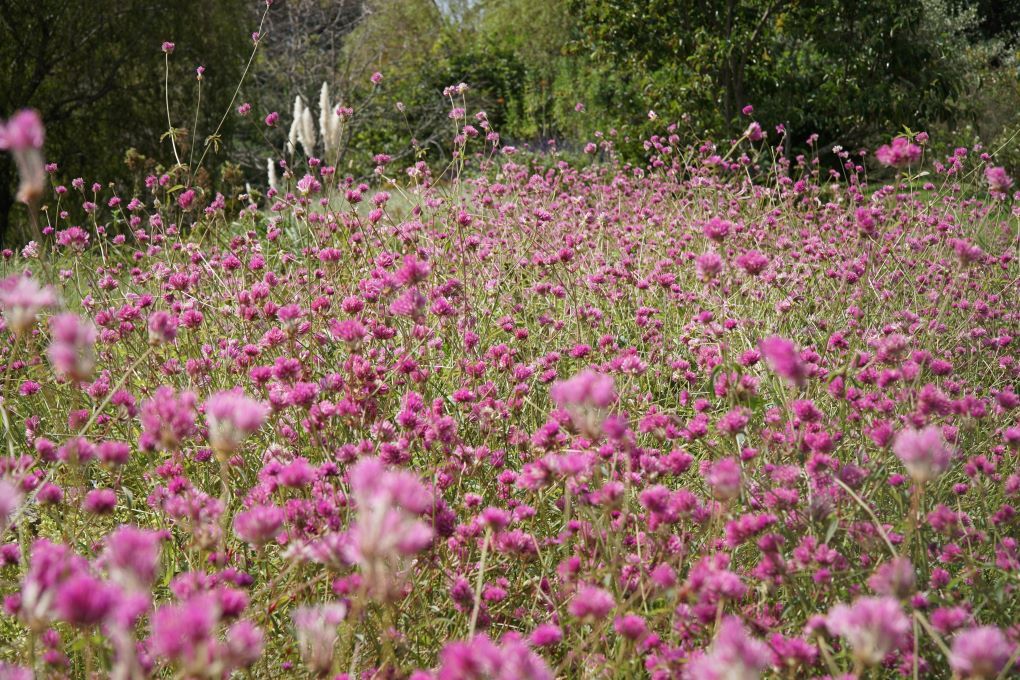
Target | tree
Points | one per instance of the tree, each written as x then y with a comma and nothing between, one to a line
842,68
96,73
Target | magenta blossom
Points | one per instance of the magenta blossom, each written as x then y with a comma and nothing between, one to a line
734,655
483,659
132,556
85,601
72,347
724,478
591,603
586,397
23,136
232,417
183,633
162,328
21,299
782,356
317,634
10,501
259,525
168,419
388,525
980,653
873,627
999,182
924,452
900,153
23,131
51,565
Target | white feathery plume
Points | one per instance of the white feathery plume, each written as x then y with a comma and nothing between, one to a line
330,125
271,167
306,132
295,126
324,115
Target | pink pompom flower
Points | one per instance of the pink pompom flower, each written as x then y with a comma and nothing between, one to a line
232,417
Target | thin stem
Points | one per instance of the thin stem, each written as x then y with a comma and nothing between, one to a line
874,519
237,89
166,93
478,584
194,132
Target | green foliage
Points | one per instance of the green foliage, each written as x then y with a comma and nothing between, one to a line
842,69
989,105
96,73
849,70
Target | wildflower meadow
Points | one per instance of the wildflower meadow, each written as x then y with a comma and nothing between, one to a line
724,413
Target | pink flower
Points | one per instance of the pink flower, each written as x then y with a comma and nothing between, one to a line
899,154
586,397
350,331
51,565
232,417
100,501
781,354
72,347
183,633
132,556
723,476
376,78
259,525
85,601
631,626
753,262
924,453
872,626
980,653
162,328
243,644
186,198
168,419
10,671
591,603
10,501
388,524
21,298
546,634
23,131
168,47
998,181
74,238
734,655
23,136
308,185
717,229
586,389
708,265
317,634
895,578
481,658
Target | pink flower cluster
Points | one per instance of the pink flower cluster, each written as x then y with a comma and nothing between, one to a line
520,417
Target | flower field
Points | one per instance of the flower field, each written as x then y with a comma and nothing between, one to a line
725,415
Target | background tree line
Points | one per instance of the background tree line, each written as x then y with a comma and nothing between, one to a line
852,71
